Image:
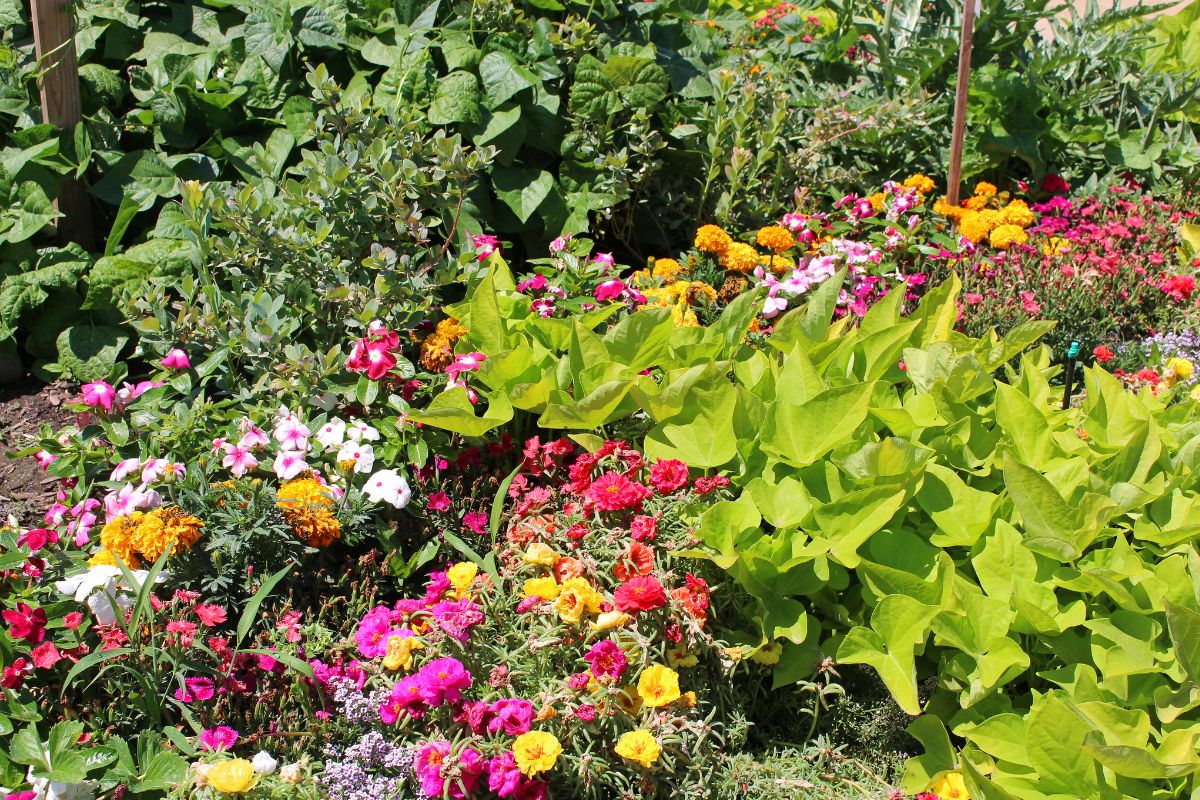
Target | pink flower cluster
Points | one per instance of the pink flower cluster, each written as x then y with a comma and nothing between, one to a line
374,355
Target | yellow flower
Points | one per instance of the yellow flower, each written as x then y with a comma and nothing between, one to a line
117,538
712,239
680,657
951,787
775,237
102,558
461,576
955,213
611,619
545,588
400,652
1017,213
1181,367
985,189
689,699
232,776
639,746
163,529
658,685
437,351
576,597
976,203
736,653
922,183
307,507
666,268
541,554
683,316
1055,245
1005,236
739,257
768,654
778,264
976,225
876,201
535,752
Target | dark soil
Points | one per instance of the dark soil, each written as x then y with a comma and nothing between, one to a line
25,492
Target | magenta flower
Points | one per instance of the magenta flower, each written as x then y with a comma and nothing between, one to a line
475,521
443,681
26,623
511,715
604,260
485,245
456,619
99,394
196,689
221,737
503,776
434,762
373,631
176,359
610,290
438,501
607,660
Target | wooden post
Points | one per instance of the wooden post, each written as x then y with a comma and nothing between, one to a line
960,102
54,43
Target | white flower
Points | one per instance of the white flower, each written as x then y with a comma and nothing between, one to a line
363,455
360,431
263,763
332,433
388,486
290,773
200,773
100,586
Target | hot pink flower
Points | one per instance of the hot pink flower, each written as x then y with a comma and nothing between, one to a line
604,260
45,655
438,501
73,620
512,715
99,394
610,290
210,614
405,698
612,491
176,359
195,690
218,738
14,674
443,680
475,521
37,538
607,659
44,459
435,761
668,475
485,244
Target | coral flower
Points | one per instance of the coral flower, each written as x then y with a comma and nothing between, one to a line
693,597
641,593
640,747
638,560
612,491
536,752
658,686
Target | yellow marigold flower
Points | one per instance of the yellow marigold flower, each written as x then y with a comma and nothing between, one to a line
984,189
639,746
166,529
640,278
1181,367
684,317
951,787
536,752
739,257
922,183
541,554
712,239
1004,236
666,268
680,657
768,654
658,685
307,507
576,597
400,651
437,351
102,558
876,201
658,297
946,210
779,264
117,538
232,776
976,203
611,619
778,238
461,576
628,701
975,226
1017,213
1055,245
545,588
737,652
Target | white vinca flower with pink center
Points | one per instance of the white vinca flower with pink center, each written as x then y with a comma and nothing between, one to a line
388,486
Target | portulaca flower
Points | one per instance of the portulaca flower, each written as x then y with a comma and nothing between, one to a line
332,433
264,763
388,486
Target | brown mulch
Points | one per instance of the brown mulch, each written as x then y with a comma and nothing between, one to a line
25,492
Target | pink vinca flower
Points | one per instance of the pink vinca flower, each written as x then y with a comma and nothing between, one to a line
176,359
99,394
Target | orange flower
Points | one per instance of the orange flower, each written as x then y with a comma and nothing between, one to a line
567,568
637,560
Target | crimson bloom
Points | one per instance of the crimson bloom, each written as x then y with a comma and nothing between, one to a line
668,475
643,593
607,659
37,538
26,623
1103,354
612,491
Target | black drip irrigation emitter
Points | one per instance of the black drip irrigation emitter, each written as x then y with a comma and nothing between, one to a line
1072,354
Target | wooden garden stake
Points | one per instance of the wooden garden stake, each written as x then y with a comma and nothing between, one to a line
960,102
54,43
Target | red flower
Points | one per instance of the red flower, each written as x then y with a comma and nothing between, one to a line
475,521
45,655
37,538
643,593
643,528
638,560
26,623
707,485
210,615
438,501
1103,354
1055,184
693,597
1179,287
668,475
612,491
14,674
1148,376
73,620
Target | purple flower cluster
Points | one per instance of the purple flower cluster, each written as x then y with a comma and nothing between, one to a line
1160,347
353,704
371,769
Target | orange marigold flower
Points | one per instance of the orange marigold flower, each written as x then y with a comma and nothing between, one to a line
666,268
922,183
1005,236
307,507
117,539
166,529
437,351
712,239
739,257
778,238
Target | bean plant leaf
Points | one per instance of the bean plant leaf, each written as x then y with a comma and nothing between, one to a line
458,99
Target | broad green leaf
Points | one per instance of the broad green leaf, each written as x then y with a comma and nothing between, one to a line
502,78
701,434
855,518
458,99
1051,526
1054,737
1184,626
800,434
898,625
522,189
452,410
